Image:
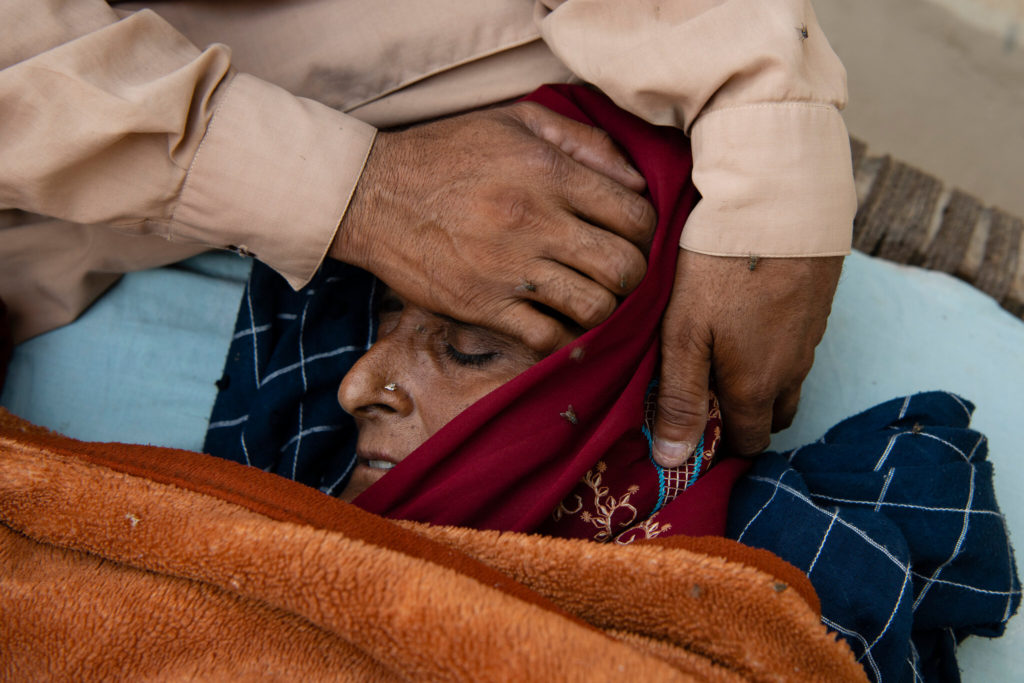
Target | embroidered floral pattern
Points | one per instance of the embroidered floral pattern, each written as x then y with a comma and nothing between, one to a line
608,514
620,502
645,530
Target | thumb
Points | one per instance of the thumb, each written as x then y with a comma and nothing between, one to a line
682,392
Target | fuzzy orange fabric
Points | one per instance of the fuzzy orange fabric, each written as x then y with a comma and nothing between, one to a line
129,562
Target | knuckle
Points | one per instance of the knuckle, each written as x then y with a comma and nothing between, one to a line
747,442
619,261
783,420
542,338
760,399
519,114
751,398
683,408
525,109
748,418
545,159
625,272
601,138
633,267
681,341
785,410
641,214
630,216
594,308
517,209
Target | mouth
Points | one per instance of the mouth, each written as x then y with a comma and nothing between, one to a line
371,466
376,461
378,464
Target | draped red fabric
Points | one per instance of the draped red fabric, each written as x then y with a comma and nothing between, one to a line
561,448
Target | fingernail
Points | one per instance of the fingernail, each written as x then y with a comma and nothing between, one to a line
631,170
672,453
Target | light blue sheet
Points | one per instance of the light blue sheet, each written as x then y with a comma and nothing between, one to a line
141,364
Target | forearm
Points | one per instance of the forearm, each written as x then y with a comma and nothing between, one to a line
124,122
759,90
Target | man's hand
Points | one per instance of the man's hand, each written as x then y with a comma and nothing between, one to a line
479,215
752,326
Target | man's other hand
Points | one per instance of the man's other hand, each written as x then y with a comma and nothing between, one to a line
483,215
752,326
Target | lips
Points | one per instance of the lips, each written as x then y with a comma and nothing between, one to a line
371,466
376,461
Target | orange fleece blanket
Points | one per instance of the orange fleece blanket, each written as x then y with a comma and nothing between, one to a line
135,562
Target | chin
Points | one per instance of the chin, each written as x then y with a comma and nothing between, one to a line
362,478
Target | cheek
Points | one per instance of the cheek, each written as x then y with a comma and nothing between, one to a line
447,397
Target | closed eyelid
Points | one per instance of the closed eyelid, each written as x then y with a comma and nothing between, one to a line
475,340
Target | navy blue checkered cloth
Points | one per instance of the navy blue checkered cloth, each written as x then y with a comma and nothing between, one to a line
891,514
277,408
893,517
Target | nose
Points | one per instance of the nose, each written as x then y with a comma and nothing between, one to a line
373,386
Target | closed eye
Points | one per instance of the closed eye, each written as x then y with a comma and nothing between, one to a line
472,360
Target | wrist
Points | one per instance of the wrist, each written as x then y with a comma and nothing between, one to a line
354,241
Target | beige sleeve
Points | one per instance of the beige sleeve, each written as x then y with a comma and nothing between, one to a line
123,121
758,88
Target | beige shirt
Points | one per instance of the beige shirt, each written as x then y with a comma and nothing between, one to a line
114,118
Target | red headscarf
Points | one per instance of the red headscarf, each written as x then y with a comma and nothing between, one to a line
561,448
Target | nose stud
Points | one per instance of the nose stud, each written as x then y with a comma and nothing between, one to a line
390,386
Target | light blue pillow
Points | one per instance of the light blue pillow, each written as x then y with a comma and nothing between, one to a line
140,365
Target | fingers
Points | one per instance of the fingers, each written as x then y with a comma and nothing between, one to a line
755,404
747,429
683,389
784,409
605,203
591,174
605,258
571,189
558,288
589,146
573,295
538,331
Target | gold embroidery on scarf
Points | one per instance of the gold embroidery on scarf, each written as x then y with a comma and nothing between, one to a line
604,508
647,529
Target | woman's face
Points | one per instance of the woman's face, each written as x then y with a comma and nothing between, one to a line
423,370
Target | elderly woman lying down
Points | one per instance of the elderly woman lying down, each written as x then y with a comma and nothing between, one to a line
891,514
527,443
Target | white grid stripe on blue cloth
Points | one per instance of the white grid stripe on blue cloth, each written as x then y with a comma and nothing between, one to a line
892,515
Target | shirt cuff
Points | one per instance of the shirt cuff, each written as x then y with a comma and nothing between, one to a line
775,180
272,178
